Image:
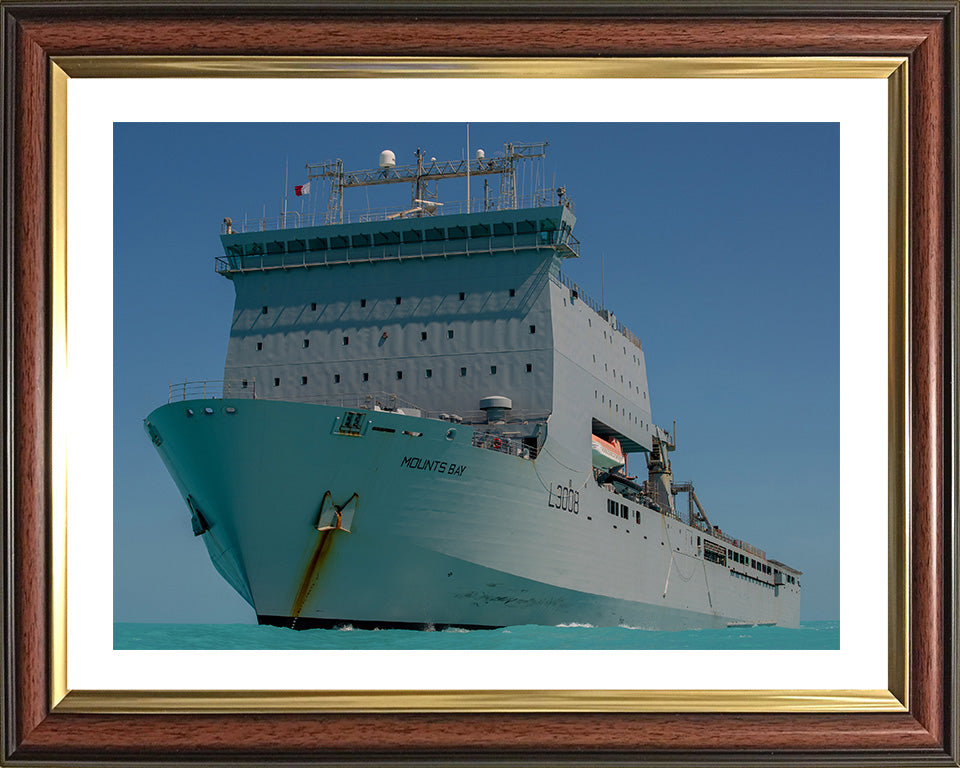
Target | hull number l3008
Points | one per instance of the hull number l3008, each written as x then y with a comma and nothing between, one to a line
564,497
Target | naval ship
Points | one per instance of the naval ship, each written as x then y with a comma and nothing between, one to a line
424,423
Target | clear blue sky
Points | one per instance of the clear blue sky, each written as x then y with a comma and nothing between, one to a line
721,252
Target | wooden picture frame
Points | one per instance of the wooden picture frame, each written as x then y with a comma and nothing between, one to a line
40,727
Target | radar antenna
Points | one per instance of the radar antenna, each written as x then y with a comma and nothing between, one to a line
418,174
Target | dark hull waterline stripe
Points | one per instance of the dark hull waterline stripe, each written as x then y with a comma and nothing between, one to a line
308,622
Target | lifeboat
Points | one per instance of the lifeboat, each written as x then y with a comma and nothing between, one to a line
607,454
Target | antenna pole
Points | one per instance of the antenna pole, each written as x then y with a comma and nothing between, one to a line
286,178
603,303
468,168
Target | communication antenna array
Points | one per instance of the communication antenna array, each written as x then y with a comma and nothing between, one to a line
423,201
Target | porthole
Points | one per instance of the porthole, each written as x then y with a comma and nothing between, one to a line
208,411
451,433
189,412
230,409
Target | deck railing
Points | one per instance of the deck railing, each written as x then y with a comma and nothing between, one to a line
207,389
578,293
295,219
494,441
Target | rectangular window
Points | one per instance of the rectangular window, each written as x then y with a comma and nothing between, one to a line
366,377
462,295
493,369
346,340
463,371
244,384
513,292
398,299
276,382
429,373
259,346
450,334
637,513
530,369
624,511
303,379
306,343
399,375
264,310
423,335
363,302
336,378
533,329
313,306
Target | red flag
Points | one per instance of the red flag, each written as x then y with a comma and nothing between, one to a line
302,189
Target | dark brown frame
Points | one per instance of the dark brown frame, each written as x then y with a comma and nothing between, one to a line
925,32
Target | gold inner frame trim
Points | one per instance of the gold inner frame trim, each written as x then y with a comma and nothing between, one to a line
893,69
233,702
414,66
58,367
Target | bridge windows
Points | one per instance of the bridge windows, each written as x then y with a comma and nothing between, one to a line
303,380
306,343
493,370
529,367
533,329
259,346
313,306
264,311
462,296
336,378
429,373
423,335
399,375
513,292
449,333
276,382
463,371
399,299
363,302
366,376
346,340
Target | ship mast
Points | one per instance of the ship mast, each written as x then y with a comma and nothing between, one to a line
420,173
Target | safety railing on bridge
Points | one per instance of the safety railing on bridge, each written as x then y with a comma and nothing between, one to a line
296,219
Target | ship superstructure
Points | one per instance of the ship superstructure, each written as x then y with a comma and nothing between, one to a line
424,422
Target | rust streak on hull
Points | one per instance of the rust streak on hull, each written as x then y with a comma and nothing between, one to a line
320,552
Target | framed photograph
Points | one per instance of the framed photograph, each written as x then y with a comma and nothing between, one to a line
71,695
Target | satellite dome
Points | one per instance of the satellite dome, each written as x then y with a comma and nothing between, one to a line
387,159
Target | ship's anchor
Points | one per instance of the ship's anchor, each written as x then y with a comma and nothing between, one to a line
336,517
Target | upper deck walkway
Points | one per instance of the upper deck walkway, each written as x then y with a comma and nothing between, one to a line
418,237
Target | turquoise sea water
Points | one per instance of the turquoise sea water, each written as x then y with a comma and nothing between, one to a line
812,635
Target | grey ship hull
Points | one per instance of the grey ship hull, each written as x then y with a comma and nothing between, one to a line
441,532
